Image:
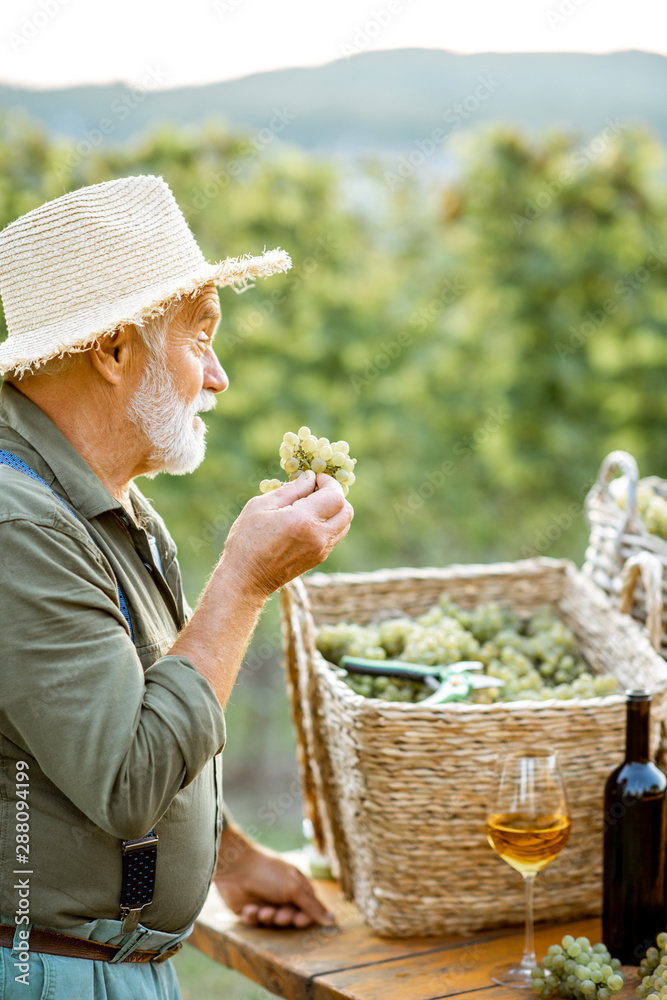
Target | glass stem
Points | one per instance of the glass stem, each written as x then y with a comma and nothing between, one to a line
528,960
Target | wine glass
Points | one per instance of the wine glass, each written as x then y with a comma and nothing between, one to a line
528,825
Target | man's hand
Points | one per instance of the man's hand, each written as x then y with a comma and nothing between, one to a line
275,538
261,888
283,533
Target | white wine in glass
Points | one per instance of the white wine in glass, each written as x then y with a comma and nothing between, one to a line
528,825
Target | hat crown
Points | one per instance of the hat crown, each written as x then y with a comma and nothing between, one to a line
86,259
114,253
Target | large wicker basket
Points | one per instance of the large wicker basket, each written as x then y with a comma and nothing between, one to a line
398,792
623,558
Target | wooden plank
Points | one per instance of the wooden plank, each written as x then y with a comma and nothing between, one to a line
451,972
351,962
285,961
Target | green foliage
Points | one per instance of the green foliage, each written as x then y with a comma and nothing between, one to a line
480,344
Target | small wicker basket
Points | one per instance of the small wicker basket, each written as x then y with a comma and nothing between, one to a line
398,792
623,558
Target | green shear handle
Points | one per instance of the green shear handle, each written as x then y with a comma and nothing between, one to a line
453,682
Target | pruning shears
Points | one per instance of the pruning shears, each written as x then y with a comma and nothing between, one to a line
451,683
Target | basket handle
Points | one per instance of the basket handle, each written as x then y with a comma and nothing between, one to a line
623,462
648,568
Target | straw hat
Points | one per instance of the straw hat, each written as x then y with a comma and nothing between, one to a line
78,267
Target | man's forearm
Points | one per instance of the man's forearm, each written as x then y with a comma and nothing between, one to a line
217,635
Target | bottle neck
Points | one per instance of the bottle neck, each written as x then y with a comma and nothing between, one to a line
637,729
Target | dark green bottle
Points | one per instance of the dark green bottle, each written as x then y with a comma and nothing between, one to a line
635,840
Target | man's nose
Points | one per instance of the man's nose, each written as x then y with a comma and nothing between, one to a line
215,376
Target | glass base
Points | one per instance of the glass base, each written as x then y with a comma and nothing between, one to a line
518,976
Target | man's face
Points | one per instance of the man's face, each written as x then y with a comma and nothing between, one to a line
180,381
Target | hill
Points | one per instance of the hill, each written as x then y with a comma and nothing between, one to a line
377,101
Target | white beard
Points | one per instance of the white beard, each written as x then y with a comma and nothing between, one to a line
174,431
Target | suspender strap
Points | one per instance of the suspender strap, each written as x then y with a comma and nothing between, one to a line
139,856
139,864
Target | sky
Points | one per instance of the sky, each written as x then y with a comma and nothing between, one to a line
49,43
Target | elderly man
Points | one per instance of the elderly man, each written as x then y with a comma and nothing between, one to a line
111,690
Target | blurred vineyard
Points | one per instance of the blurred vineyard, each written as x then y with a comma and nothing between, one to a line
481,343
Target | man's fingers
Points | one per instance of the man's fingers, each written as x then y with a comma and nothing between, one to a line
288,493
328,498
287,916
339,524
306,900
249,914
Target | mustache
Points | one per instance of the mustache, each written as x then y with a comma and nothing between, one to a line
206,400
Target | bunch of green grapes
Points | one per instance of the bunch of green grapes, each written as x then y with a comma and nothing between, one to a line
651,505
388,688
335,641
576,969
537,658
653,971
303,451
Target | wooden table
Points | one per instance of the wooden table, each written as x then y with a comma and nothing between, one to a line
350,961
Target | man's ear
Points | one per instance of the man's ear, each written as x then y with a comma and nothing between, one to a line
114,355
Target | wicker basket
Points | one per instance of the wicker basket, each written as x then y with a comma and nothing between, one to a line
397,792
623,558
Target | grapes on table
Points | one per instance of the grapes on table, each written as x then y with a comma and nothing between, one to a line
653,971
536,657
303,451
575,968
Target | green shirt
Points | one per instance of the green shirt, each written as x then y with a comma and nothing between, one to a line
118,737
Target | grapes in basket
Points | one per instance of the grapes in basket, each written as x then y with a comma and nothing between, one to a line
303,451
651,502
535,657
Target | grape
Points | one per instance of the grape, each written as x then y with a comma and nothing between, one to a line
651,504
517,654
581,976
303,451
267,485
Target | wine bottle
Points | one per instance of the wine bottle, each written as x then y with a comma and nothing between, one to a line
635,839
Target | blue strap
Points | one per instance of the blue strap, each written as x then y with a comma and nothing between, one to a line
7,458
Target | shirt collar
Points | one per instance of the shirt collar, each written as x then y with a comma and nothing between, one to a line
84,489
